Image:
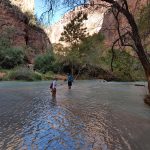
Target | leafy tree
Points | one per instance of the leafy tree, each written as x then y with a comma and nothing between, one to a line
144,25
130,37
91,48
126,67
60,50
144,19
10,56
74,32
44,63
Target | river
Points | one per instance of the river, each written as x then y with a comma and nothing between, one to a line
93,115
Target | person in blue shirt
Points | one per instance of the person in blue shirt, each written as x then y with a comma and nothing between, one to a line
70,80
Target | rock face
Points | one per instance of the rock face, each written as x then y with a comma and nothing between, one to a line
25,5
98,19
93,24
109,27
14,25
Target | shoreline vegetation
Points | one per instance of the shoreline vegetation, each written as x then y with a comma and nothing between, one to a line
26,74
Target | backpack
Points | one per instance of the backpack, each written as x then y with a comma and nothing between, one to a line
51,86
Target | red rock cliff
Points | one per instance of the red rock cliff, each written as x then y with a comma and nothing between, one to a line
14,25
109,22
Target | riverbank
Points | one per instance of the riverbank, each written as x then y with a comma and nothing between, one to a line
25,74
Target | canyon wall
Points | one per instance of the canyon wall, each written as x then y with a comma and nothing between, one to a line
109,26
99,19
14,26
93,23
24,5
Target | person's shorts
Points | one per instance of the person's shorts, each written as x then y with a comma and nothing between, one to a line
69,83
54,91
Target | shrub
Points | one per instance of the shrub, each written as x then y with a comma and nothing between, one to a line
125,66
24,74
37,76
10,56
49,75
44,63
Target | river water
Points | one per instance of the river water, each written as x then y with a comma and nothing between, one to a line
93,115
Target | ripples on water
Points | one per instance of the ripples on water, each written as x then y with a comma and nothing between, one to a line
93,115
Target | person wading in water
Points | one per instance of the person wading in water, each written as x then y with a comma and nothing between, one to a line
70,80
53,87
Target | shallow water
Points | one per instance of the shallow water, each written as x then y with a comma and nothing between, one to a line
93,115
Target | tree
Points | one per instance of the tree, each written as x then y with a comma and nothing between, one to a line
144,24
130,37
10,56
91,48
44,62
74,33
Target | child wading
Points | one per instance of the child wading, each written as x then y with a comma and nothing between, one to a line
70,80
53,87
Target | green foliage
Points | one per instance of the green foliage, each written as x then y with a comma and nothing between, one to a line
33,20
91,48
87,51
10,56
144,19
44,63
73,57
143,23
48,75
74,32
125,66
60,50
24,74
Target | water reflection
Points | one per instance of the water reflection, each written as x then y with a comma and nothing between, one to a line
45,125
53,101
91,116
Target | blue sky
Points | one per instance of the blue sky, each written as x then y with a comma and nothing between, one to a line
40,8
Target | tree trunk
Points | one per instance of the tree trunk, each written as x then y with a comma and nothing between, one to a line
135,36
148,79
72,71
138,45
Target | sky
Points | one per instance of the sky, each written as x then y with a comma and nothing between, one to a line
40,8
